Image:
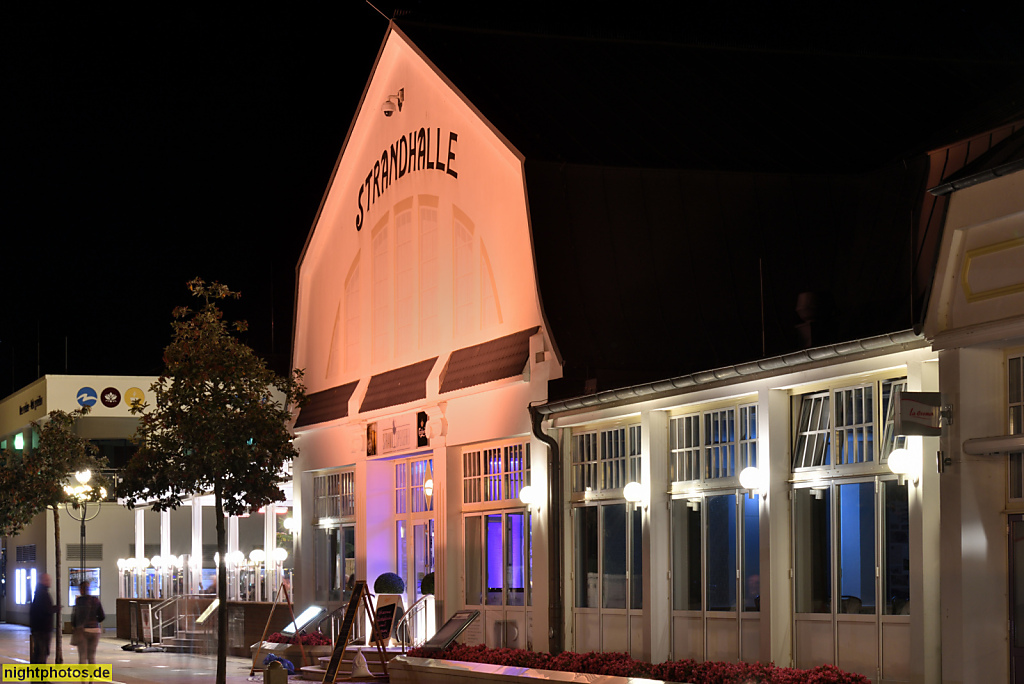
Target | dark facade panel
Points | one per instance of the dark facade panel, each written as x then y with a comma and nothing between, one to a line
398,386
504,357
329,404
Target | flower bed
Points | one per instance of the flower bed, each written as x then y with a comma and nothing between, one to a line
622,665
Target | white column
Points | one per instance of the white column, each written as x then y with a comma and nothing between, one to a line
232,568
196,561
269,544
973,528
926,559
656,525
140,552
773,422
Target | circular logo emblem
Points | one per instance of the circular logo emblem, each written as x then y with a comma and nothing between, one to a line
110,397
133,395
86,396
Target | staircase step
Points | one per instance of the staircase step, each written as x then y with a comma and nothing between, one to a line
315,673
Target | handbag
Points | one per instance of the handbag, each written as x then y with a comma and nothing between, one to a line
76,637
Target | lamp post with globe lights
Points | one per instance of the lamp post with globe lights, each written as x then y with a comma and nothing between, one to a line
78,509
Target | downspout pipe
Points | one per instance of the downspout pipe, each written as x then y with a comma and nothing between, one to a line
555,594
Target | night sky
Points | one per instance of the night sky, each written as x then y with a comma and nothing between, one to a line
142,149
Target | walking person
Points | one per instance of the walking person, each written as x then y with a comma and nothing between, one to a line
86,619
40,621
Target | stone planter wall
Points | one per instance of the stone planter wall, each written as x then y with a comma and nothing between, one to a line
406,670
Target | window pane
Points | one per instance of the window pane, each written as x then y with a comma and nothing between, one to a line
515,559
585,540
1017,475
1017,544
896,547
686,566
613,556
812,540
401,552
529,559
474,561
857,548
493,558
423,542
751,553
721,558
636,570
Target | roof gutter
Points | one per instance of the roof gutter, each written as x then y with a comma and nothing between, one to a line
776,365
554,519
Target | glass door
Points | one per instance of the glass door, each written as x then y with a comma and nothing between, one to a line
1016,573
498,575
607,578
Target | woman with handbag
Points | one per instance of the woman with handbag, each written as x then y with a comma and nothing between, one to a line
86,619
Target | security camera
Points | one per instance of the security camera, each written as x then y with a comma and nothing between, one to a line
388,107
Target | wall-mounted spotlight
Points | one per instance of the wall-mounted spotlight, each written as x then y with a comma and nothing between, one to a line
393,103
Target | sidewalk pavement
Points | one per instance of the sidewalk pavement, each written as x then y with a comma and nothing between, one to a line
130,667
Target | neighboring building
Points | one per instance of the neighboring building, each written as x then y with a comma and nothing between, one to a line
512,282
975,323
109,535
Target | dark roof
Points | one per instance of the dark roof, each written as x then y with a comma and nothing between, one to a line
329,404
685,196
504,357
649,274
721,106
1003,159
398,386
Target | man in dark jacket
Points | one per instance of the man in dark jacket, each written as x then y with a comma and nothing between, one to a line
40,621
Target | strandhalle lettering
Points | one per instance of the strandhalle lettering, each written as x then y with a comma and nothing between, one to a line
409,153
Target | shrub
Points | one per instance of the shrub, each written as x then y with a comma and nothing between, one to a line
622,665
427,584
389,583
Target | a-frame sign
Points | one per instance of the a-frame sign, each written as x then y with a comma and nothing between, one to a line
359,594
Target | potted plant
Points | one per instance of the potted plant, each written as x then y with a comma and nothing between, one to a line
427,584
389,588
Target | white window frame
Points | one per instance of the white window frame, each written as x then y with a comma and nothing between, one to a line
494,473
699,452
807,460
605,459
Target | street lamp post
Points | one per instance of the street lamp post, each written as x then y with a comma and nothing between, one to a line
82,493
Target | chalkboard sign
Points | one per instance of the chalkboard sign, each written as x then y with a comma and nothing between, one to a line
346,628
451,630
384,621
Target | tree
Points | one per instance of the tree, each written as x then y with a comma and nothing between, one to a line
30,485
218,424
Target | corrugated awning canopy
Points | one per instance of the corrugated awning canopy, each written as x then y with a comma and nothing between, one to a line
398,386
329,404
504,357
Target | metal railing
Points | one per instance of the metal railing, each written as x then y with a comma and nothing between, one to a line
418,622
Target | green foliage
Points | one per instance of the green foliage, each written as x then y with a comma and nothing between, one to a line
388,583
218,423
31,483
427,584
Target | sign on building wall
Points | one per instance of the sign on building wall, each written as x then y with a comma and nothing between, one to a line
917,413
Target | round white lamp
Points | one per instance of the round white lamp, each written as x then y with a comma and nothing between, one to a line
633,492
750,478
528,495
